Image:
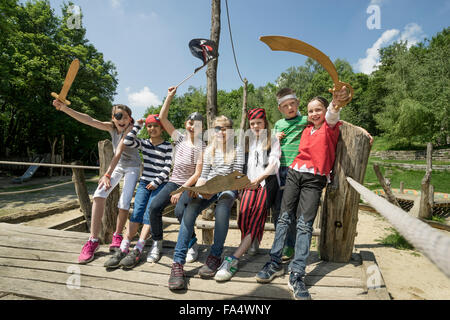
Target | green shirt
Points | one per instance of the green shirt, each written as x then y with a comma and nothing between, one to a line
293,129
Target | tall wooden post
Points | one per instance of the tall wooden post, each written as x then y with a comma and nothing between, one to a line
109,220
211,72
339,213
82,193
244,107
425,209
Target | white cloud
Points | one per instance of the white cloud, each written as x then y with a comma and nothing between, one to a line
412,33
116,3
144,98
367,65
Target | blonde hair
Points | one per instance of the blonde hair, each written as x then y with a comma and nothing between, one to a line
120,107
229,155
267,144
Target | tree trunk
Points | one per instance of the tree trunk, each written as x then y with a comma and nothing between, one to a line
425,208
52,157
211,72
340,206
386,186
105,152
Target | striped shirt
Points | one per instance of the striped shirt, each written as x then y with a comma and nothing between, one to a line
157,158
186,157
293,128
218,167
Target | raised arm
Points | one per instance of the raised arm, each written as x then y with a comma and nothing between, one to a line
82,117
164,113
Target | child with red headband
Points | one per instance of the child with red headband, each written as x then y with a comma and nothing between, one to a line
157,155
262,153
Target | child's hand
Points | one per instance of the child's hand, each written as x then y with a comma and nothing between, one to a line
58,104
253,185
280,135
174,199
340,97
171,91
104,181
150,187
140,122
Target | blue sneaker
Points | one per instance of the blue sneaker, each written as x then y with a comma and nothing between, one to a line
298,287
269,271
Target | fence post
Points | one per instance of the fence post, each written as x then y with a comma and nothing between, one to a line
386,184
82,193
425,209
339,213
109,220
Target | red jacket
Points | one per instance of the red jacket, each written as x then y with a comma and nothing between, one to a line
318,150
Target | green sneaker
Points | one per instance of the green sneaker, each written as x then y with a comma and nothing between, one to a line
288,254
227,269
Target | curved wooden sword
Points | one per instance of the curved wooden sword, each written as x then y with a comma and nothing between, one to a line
281,43
71,74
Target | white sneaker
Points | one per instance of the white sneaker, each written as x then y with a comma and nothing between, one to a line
254,248
227,269
155,252
192,253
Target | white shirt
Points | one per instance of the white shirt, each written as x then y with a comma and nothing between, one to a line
256,156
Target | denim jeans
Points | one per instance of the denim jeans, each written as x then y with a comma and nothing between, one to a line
142,200
290,238
160,202
222,212
300,203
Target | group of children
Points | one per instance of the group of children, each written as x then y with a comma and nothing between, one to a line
287,172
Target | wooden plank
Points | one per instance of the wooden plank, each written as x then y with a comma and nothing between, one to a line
372,278
43,231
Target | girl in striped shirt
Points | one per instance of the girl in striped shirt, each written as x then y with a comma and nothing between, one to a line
157,155
221,158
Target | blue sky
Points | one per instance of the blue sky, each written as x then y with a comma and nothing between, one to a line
148,40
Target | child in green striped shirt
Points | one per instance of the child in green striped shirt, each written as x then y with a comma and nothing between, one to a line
288,130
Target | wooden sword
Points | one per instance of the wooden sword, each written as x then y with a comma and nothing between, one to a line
71,74
281,43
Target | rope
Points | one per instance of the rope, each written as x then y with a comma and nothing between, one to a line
232,45
435,245
33,190
49,165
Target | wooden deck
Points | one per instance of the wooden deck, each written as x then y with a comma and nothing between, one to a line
39,263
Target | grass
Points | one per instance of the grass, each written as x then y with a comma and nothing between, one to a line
384,144
396,240
412,179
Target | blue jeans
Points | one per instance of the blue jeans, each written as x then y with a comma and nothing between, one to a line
222,212
290,238
142,200
300,203
160,202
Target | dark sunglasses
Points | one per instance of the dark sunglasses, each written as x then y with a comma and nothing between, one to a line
219,128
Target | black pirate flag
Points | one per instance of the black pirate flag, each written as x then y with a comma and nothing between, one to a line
205,50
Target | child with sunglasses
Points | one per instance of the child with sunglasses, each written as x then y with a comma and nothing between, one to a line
125,164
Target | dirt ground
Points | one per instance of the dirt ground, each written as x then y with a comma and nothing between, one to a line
408,274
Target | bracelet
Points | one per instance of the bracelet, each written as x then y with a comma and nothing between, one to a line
107,175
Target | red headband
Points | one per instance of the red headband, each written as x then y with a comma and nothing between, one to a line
257,113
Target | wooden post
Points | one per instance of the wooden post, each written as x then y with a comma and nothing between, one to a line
82,193
208,234
425,209
339,214
386,184
402,187
244,107
211,72
109,220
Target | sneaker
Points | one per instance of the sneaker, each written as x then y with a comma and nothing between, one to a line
210,267
87,253
269,271
115,243
254,248
192,253
114,261
298,287
176,280
155,252
288,254
227,269
131,259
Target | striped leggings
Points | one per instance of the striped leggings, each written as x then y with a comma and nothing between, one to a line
252,213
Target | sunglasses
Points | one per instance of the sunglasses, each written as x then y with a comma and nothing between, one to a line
219,128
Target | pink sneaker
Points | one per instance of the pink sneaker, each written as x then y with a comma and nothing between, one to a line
87,253
115,243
